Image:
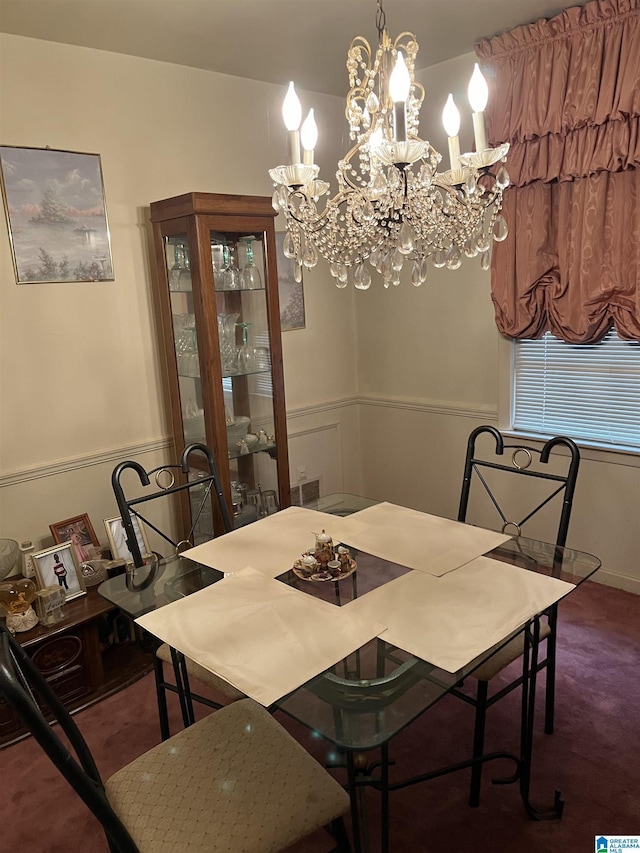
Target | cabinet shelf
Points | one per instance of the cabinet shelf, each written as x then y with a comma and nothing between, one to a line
234,453
239,289
261,371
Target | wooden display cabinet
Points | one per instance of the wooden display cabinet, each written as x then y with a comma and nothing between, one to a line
217,295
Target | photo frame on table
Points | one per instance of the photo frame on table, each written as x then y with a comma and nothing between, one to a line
117,539
57,566
290,291
79,531
56,214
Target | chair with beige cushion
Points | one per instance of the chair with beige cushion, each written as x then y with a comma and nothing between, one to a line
529,480
234,782
202,485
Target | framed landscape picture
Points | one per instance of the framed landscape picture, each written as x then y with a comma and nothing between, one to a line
56,215
290,291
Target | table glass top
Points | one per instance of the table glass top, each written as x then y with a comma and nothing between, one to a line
375,692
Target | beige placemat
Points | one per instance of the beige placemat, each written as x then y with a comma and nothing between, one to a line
449,621
418,540
262,636
272,544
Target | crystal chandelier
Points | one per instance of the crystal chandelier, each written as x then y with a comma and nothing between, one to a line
393,207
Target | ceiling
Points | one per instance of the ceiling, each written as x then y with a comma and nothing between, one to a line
271,40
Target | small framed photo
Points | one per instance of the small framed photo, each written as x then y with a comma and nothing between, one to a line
57,566
79,531
290,291
117,539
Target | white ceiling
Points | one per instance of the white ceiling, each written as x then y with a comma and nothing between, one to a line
270,40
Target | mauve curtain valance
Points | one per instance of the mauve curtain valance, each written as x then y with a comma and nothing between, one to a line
566,96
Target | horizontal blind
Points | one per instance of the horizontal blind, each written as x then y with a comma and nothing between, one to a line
588,391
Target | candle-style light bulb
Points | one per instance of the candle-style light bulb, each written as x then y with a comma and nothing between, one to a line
291,109
309,138
292,116
400,80
451,122
478,97
399,88
478,90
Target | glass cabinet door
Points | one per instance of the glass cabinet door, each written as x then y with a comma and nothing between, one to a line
247,452
239,277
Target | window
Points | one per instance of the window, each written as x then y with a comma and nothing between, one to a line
586,391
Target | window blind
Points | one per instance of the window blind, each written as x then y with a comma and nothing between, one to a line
588,391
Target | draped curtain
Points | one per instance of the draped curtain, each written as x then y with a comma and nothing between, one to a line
565,93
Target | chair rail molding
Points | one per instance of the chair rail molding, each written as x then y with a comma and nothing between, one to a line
438,407
73,463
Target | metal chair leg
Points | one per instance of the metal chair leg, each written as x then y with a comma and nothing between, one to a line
339,833
353,797
179,672
186,686
161,695
550,681
478,742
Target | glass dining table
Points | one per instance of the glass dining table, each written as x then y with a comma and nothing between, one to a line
362,702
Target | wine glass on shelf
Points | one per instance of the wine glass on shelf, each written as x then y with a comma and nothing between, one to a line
185,272
251,278
219,260
232,274
177,266
246,353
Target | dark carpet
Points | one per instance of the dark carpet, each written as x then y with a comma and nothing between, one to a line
593,757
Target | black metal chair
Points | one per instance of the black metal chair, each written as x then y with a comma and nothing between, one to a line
234,781
494,478
206,498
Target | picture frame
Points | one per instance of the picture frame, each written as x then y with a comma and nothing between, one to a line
117,540
57,566
290,291
79,531
56,215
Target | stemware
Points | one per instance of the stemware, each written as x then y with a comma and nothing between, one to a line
246,353
178,266
184,281
232,275
251,278
219,260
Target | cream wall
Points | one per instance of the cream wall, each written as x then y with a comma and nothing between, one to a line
431,369
382,386
80,387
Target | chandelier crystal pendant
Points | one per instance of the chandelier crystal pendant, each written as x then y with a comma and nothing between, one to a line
393,207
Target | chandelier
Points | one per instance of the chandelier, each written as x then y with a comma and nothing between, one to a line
393,207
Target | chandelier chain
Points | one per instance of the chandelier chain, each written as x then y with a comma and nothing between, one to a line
381,20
